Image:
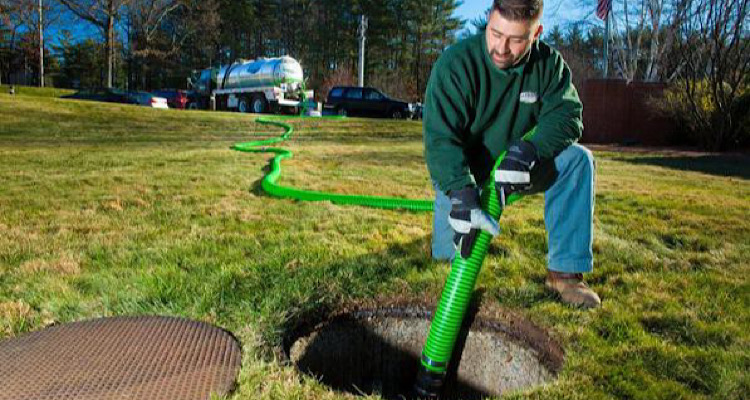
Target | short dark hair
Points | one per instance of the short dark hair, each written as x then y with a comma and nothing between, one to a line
518,10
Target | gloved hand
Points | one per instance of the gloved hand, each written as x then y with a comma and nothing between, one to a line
514,172
467,218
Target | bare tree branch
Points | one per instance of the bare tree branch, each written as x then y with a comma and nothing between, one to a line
103,14
714,50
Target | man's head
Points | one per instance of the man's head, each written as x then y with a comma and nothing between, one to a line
512,27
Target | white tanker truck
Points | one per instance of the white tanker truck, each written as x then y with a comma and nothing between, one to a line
258,86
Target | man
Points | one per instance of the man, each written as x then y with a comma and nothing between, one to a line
484,94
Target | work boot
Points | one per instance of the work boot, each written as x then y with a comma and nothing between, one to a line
572,289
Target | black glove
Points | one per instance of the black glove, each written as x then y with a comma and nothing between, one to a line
467,218
514,172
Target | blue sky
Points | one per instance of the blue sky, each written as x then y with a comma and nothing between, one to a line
556,12
473,8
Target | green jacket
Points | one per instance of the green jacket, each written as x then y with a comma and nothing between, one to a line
473,110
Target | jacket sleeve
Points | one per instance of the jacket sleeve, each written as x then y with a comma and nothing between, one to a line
560,122
445,124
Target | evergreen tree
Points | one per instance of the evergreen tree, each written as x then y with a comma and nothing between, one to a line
404,38
431,28
5,52
554,37
104,14
80,66
237,29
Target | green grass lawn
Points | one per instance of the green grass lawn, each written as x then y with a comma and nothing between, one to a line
110,209
36,91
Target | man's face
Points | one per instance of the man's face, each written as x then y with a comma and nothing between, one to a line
509,41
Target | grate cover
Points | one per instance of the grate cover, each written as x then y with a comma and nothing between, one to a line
147,358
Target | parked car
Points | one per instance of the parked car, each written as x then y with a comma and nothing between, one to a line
367,101
120,96
175,98
417,111
148,99
103,94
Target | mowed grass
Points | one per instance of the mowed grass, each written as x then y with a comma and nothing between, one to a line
110,209
35,91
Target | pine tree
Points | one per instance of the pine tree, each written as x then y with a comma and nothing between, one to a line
4,52
432,28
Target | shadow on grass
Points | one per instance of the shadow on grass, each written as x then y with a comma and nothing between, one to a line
733,165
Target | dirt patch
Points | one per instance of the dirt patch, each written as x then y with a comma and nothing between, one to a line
376,350
65,264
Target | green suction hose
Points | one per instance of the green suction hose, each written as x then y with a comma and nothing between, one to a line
459,286
455,298
271,187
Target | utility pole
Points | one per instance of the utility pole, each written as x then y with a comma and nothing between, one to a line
362,30
41,47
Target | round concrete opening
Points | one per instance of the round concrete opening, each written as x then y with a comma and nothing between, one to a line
376,351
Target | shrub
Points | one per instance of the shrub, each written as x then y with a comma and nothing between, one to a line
703,123
741,111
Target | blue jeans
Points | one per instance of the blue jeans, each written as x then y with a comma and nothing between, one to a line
568,185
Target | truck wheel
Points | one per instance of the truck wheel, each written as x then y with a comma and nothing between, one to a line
244,105
259,104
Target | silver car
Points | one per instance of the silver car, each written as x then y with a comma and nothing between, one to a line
148,99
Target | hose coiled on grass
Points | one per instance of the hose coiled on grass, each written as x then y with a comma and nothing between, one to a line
271,187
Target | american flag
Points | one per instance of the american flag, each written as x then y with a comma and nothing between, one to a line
603,7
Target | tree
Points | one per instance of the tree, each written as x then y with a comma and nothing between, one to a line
147,44
80,68
197,27
714,55
11,28
643,33
103,14
5,39
580,48
431,27
19,23
480,22
165,39
237,28
555,37
28,14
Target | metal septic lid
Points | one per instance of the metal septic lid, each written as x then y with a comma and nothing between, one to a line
149,358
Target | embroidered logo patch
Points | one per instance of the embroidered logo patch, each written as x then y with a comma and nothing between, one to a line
528,97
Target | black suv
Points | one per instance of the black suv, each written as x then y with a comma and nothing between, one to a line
103,94
367,102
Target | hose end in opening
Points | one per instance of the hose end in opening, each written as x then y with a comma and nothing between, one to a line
428,384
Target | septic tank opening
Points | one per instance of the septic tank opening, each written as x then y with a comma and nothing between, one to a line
376,351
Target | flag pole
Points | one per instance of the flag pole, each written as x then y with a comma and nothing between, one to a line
606,45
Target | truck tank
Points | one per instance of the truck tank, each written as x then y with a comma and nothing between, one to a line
262,72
